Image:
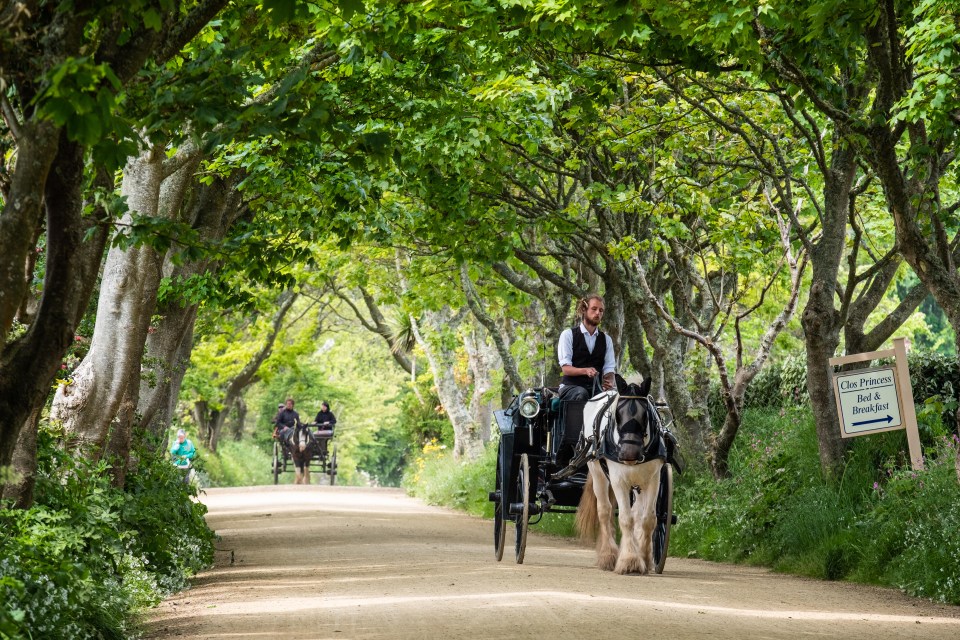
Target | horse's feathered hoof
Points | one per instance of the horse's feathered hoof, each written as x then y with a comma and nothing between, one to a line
631,566
607,560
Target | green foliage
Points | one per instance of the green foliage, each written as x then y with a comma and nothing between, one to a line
913,523
387,455
421,416
436,478
779,384
86,556
242,463
81,96
935,378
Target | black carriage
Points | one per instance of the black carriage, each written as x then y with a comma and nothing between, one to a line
324,454
539,434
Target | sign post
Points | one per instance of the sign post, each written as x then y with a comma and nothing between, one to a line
878,399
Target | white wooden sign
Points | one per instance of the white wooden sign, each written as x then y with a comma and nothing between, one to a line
880,399
868,401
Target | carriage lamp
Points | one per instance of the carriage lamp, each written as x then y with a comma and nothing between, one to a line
529,405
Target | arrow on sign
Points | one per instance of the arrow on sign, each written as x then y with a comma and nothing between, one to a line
888,420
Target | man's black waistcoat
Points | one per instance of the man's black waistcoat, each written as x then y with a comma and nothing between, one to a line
583,358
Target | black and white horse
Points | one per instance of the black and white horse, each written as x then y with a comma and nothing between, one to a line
630,453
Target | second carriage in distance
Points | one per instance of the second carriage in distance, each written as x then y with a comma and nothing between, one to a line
323,451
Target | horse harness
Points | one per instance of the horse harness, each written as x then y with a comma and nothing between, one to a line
631,434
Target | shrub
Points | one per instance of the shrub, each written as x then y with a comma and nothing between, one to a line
236,463
935,379
86,556
914,519
880,522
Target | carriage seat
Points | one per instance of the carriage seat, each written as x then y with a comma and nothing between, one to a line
321,438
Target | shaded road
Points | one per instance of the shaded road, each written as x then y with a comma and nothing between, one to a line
345,562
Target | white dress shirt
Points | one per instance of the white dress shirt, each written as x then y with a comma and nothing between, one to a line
565,348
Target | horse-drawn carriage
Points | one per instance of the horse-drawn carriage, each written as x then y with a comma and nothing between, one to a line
548,450
305,445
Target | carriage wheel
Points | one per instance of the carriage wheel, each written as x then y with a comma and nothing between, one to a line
276,462
661,534
499,526
333,466
523,519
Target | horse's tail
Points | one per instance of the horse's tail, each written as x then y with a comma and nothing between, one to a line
587,522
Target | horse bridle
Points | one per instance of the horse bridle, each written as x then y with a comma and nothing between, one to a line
635,438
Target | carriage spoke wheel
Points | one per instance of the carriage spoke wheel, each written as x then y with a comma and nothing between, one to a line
333,466
523,494
499,526
276,462
661,534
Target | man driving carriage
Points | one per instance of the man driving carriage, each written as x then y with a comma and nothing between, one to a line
286,419
585,353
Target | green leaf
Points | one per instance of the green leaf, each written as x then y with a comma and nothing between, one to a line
350,7
152,19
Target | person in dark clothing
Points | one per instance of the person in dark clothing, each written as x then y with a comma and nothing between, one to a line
276,416
325,419
286,419
586,354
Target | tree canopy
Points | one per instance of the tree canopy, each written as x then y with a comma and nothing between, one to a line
220,185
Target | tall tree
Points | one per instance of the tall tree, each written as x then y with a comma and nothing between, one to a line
55,57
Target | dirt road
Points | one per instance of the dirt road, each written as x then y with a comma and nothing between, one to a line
344,563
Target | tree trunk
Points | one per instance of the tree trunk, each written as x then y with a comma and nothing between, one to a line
483,359
635,346
466,433
20,490
37,151
212,211
506,359
121,434
820,319
128,294
689,409
166,358
215,427
247,375
201,416
240,419
75,245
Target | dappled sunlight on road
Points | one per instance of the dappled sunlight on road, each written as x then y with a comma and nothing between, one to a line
514,599
351,563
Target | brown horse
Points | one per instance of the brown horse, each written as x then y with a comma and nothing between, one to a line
300,443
